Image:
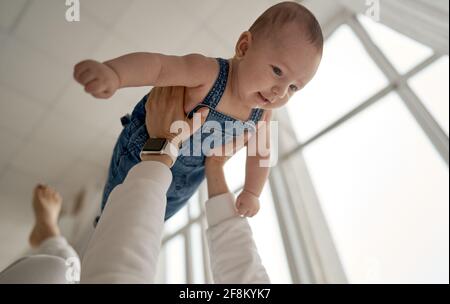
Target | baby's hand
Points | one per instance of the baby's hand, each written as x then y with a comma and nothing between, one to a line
97,78
247,204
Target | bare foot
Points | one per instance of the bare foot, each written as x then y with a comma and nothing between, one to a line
47,206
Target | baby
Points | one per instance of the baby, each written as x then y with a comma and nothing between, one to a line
275,58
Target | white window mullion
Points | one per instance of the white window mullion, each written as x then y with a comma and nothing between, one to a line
188,255
203,197
295,252
314,254
373,99
427,122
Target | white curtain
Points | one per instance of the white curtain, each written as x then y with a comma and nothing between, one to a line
423,20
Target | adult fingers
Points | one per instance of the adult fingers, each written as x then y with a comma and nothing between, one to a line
177,93
158,100
174,103
194,122
154,94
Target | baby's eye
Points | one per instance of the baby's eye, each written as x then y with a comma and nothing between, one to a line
293,88
277,71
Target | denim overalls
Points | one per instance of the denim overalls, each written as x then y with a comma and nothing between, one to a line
188,170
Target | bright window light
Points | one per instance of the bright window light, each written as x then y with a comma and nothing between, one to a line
384,191
265,226
346,77
431,85
194,206
403,52
197,254
235,170
175,261
177,221
267,236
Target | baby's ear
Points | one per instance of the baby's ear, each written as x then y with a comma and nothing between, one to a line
243,44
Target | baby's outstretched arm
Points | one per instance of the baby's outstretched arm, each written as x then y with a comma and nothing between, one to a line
256,170
247,202
144,69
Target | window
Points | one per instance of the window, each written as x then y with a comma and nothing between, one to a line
197,254
403,52
431,86
175,261
380,181
264,225
347,76
235,170
194,206
184,233
178,221
384,191
267,236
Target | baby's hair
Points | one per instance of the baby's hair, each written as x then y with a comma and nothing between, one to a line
284,13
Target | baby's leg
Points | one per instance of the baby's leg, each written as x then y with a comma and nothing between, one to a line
126,154
112,179
118,167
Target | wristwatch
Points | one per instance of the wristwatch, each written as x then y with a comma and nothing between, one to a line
158,146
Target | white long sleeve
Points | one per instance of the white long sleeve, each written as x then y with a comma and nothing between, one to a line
233,254
126,243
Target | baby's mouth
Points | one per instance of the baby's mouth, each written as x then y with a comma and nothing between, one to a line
263,98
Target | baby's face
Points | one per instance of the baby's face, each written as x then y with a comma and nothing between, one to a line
273,69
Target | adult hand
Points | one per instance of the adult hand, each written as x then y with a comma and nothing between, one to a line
165,115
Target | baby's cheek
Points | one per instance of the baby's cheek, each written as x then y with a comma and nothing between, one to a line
279,103
285,100
260,79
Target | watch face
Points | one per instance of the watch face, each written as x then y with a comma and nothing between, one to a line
154,144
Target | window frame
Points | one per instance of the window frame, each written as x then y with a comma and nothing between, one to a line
291,176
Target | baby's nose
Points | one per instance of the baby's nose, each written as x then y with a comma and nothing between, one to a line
275,91
278,93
